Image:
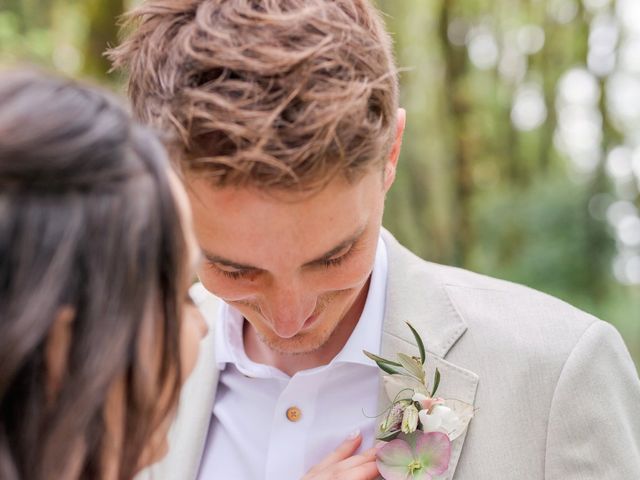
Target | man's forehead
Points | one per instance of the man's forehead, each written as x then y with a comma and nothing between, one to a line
233,199
246,226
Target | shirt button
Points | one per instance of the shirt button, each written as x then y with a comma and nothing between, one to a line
293,414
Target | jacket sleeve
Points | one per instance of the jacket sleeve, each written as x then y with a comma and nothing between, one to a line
594,421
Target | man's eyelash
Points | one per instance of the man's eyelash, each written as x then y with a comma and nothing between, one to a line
334,262
234,275
330,262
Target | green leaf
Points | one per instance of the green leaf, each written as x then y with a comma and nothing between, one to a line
412,366
436,382
423,355
378,359
388,368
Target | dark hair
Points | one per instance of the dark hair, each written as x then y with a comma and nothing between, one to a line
88,222
273,93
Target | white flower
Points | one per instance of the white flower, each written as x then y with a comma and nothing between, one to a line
441,419
409,419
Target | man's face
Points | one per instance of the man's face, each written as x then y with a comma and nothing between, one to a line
292,265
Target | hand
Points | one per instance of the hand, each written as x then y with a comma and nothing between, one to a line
342,464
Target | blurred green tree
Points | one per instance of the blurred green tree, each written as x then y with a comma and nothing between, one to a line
506,165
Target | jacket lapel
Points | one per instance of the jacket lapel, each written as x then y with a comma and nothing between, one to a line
415,294
188,433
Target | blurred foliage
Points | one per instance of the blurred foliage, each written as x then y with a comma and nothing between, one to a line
496,91
489,178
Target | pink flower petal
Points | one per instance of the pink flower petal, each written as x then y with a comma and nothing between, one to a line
433,449
421,475
395,452
393,460
394,473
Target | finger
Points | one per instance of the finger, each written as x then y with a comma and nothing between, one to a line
372,451
368,456
345,450
365,471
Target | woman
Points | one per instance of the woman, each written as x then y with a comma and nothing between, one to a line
96,254
94,268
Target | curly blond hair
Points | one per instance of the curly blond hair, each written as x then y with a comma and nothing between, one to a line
265,93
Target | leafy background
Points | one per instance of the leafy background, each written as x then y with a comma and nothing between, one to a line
521,158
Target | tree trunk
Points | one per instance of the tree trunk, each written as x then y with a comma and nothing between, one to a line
458,106
103,33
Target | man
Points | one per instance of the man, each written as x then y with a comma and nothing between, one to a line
288,135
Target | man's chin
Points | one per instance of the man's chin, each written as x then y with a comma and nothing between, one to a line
300,344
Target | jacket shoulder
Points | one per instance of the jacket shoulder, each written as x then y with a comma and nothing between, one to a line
514,320
484,298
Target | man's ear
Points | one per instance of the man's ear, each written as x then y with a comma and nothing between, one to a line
57,351
394,154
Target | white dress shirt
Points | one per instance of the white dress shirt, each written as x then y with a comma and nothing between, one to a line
251,435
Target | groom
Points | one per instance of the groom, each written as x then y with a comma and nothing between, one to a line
285,123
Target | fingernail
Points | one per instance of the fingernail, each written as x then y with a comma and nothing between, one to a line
353,435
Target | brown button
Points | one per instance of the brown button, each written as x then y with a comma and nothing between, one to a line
293,414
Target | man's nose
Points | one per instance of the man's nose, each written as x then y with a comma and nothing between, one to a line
289,308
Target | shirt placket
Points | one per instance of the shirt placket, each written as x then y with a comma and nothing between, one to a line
293,422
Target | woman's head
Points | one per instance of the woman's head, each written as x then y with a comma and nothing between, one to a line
93,275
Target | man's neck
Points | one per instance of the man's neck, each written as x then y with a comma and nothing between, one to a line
290,364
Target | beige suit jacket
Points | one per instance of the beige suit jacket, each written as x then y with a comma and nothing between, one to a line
555,392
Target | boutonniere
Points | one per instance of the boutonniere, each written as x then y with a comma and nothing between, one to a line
418,426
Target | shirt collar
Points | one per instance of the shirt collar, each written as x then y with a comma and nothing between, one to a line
365,336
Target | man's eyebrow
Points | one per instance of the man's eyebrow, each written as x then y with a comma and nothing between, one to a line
338,248
212,258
